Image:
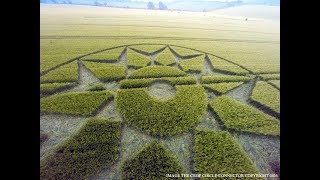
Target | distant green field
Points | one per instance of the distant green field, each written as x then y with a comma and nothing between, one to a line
165,93
82,30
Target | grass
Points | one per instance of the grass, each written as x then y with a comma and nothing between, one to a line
162,117
49,88
156,72
75,103
138,83
219,153
224,78
267,95
193,64
148,48
94,146
222,87
275,82
152,162
226,66
97,87
270,76
136,60
240,117
107,72
65,73
165,57
183,52
112,55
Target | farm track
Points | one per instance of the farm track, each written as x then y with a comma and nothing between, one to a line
158,37
169,27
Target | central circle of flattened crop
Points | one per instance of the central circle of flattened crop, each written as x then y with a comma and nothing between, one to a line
161,90
161,108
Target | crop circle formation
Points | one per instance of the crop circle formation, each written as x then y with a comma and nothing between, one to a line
163,91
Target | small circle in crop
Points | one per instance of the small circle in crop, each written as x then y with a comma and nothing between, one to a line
161,90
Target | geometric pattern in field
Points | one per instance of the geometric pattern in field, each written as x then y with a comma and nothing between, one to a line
130,80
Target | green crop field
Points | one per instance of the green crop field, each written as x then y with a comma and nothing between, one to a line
112,55
224,78
165,58
150,94
222,87
267,95
107,72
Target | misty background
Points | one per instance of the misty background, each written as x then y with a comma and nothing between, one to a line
186,5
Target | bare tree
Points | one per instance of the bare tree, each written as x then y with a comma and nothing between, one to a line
162,6
150,5
96,3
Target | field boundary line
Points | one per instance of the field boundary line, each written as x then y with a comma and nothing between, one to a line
157,37
128,45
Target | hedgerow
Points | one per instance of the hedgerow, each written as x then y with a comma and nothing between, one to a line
152,162
107,72
219,153
150,49
138,83
94,146
267,95
241,117
97,87
77,103
222,87
224,78
165,57
136,60
183,52
112,55
162,117
156,72
65,73
49,88
270,76
275,82
226,66
193,64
